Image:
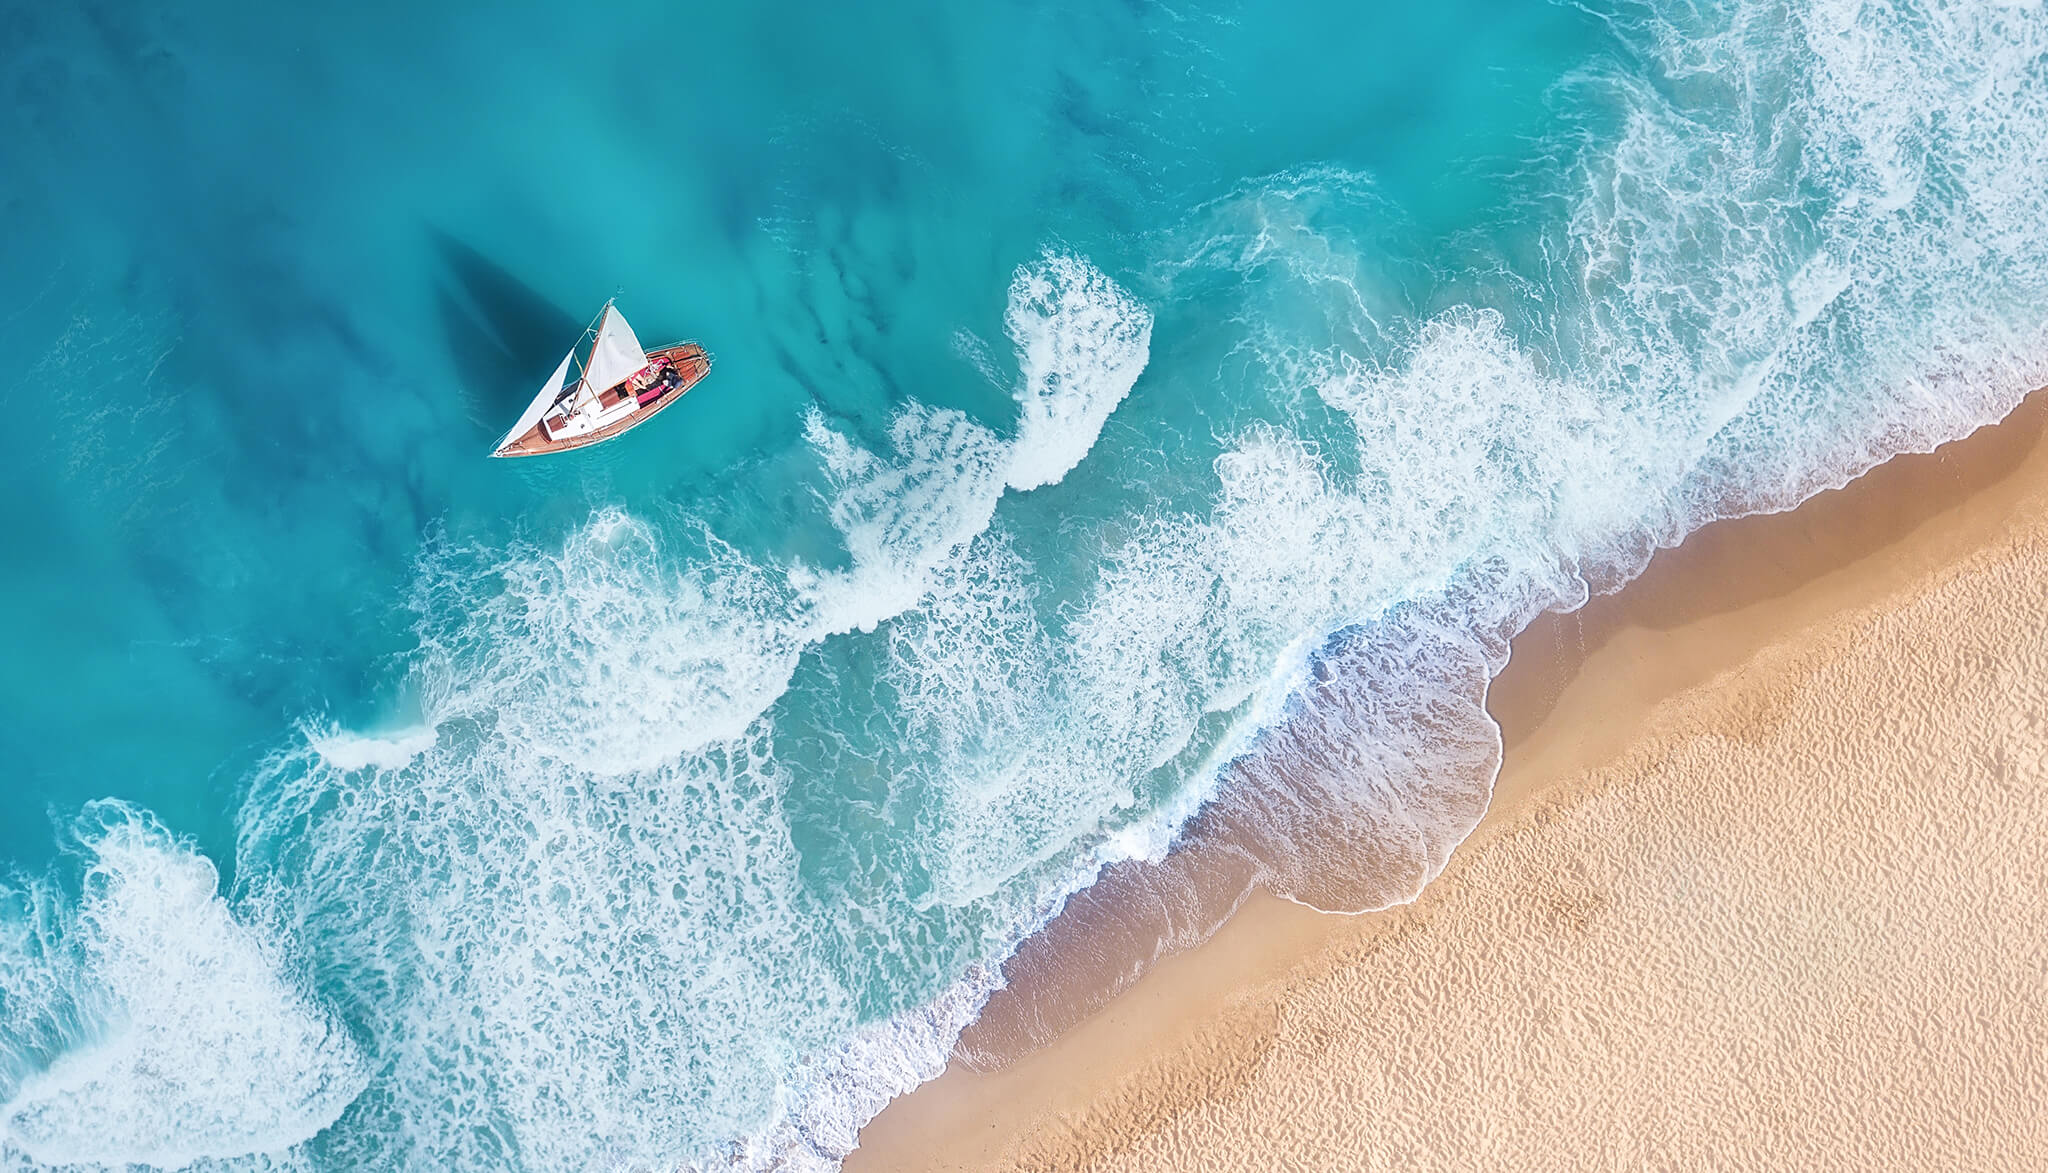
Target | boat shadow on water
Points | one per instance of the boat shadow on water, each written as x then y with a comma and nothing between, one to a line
502,336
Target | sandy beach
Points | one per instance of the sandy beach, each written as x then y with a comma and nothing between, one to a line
1763,884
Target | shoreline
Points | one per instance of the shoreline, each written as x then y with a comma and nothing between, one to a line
1582,691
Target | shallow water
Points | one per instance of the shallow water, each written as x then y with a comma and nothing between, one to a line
1079,376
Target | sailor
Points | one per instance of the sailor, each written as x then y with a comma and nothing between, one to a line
661,383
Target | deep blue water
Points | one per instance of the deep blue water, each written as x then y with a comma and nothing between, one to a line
1080,373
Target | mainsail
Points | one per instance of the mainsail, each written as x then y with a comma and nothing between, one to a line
615,355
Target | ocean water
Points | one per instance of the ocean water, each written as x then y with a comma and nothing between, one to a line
1119,412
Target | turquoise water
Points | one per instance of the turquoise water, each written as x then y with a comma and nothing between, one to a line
1101,395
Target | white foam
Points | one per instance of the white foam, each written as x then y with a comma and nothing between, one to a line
206,1049
902,517
1081,341
835,1093
588,967
1789,243
609,653
971,668
345,749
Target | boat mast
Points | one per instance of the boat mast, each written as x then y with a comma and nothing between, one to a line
590,334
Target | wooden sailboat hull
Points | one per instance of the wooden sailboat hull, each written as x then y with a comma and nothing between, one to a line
691,361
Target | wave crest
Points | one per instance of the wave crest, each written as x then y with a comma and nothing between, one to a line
191,1039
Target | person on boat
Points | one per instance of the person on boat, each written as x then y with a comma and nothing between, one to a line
662,383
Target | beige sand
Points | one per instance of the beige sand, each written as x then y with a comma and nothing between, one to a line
1766,884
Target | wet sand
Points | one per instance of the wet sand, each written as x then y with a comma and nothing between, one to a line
1764,881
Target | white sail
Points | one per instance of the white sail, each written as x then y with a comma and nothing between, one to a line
541,402
615,355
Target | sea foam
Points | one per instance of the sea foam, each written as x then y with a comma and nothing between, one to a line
1082,342
196,1041
345,749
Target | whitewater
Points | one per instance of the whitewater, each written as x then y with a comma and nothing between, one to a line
677,831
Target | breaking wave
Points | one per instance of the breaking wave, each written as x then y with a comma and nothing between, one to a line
1082,342
346,749
154,1023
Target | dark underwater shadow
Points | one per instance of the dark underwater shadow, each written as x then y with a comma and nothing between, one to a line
503,337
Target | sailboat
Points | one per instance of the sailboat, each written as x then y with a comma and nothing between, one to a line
617,387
